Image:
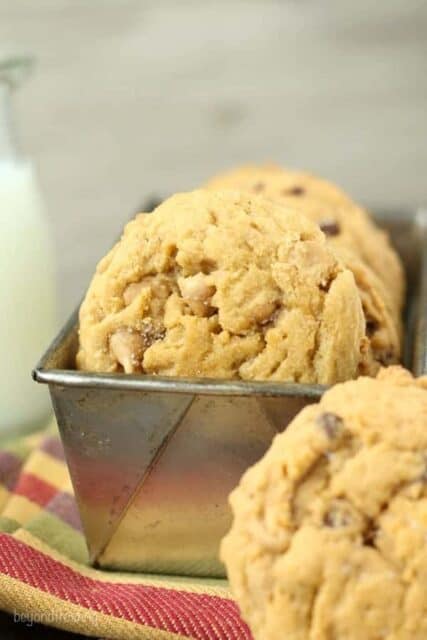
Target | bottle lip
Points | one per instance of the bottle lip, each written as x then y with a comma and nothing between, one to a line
15,69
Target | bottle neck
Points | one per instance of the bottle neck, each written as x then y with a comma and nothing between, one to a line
8,145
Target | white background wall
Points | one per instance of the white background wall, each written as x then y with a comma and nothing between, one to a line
139,97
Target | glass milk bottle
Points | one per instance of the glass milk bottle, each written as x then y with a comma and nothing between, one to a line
27,287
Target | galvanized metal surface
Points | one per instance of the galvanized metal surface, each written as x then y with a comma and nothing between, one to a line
153,459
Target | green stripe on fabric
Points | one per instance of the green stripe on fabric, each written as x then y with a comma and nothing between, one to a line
19,448
8,525
60,536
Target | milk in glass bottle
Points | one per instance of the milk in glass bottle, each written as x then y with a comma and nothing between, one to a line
27,288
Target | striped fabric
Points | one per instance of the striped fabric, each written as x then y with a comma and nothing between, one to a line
44,575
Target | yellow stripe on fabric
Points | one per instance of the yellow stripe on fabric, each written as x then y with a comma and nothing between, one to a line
192,585
48,469
34,439
21,509
68,486
4,496
34,605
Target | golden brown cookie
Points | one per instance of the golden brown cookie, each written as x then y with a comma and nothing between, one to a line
342,221
223,284
330,527
382,327
275,182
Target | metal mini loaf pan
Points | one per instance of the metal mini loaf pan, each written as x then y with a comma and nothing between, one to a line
153,459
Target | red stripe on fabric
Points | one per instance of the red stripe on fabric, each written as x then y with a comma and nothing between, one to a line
35,489
194,615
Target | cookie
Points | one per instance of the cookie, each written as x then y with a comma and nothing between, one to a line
330,527
382,327
224,285
275,182
342,221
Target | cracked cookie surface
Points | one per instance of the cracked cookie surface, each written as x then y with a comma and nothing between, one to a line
343,222
228,285
330,527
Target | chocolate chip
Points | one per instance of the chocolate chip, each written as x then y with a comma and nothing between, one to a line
330,423
294,191
371,326
329,227
386,358
258,187
370,535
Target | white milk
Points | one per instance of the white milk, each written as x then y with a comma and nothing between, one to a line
27,297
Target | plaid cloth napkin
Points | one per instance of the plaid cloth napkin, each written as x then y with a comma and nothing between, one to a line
44,575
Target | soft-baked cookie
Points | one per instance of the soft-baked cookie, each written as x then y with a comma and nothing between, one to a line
330,527
382,327
342,221
223,284
275,182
